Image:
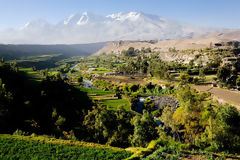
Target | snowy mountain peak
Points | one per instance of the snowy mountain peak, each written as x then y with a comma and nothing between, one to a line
25,26
67,20
88,27
83,19
124,16
35,24
71,20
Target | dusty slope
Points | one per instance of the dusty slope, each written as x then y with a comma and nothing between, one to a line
182,44
195,43
163,47
222,95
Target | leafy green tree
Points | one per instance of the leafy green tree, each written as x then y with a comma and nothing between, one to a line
223,73
191,64
80,79
189,114
144,130
184,78
129,53
202,74
123,129
222,128
149,104
167,119
238,82
226,129
99,124
2,62
5,103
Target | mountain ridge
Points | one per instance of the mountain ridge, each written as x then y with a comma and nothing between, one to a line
91,28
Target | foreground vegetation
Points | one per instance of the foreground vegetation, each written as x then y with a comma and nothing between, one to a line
20,147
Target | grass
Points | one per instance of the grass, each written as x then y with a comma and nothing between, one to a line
119,64
30,73
101,70
25,69
107,71
53,73
27,147
106,98
113,104
96,92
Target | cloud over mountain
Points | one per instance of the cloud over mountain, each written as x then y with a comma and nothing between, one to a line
88,28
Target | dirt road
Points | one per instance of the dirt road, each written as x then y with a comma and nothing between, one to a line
223,95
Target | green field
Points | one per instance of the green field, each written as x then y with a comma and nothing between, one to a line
113,104
101,70
106,98
97,92
25,69
28,70
12,147
119,64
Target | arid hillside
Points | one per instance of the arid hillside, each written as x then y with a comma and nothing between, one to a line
181,44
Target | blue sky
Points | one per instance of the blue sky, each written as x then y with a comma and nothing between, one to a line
216,13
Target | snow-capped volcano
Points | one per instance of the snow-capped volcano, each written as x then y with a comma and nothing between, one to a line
89,27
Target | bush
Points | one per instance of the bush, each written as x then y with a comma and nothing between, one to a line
20,133
229,86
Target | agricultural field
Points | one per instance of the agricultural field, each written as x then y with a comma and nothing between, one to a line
107,98
21,147
101,70
123,79
114,103
34,76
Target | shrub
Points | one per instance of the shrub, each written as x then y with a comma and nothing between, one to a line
20,133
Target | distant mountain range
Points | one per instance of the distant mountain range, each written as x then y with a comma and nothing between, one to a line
90,28
12,51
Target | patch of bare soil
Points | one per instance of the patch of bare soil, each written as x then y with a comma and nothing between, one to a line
224,95
123,79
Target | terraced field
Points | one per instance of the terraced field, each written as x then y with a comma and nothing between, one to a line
106,98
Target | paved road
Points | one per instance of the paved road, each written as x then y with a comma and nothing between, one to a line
232,97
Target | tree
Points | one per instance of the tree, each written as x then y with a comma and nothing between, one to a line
149,104
97,60
238,82
167,119
184,77
144,130
105,126
2,62
223,73
202,74
191,64
226,131
80,79
5,105
129,53
188,115
123,129
100,124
